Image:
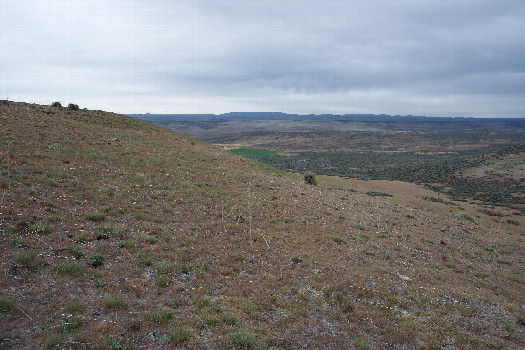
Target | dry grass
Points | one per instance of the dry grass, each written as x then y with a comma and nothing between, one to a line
252,257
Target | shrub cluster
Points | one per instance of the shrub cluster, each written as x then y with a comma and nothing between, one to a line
309,178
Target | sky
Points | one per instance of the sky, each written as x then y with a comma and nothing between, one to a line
421,57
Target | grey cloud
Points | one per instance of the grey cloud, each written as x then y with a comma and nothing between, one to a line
325,52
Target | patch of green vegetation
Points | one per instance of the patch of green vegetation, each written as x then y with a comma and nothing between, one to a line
151,240
98,257
165,267
162,281
110,228
229,320
466,217
54,218
81,239
99,283
75,308
145,259
158,316
52,340
359,227
6,305
144,217
252,151
29,261
115,303
378,194
71,269
70,324
40,228
128,244
95,217
200,303
179,336
244,340
114,343
212,321
364,345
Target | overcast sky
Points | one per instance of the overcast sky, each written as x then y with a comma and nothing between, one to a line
421,57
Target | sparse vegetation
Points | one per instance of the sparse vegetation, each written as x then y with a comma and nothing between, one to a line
179,336
6,305
95,217
162,281
115,303
244,340
232,254
309,178
145,259
158,316
71,269
70,324
29,261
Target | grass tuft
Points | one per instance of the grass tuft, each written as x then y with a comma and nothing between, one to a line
95,217
6,305
71,269
244,340
115,303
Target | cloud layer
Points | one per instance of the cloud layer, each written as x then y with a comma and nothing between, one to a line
426,57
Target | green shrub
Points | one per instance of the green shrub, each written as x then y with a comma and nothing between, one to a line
56,104
72,107
309,178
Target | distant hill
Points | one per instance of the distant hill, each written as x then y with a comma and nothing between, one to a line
116,234
379,121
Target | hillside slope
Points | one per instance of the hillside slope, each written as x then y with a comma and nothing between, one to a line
119,234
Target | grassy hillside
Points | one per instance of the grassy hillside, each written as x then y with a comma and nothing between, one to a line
119,234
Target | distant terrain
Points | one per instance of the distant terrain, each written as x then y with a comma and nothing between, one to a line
441,153
119,234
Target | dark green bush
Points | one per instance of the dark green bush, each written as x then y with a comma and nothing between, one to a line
56,104
309,178
72,107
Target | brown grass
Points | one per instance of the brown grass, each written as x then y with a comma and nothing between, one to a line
247,252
